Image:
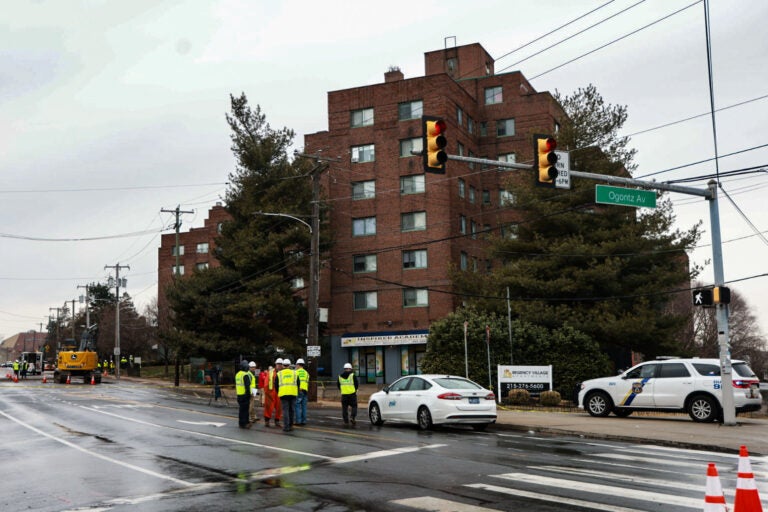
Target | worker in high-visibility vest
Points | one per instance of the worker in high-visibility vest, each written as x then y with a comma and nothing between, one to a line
16,368
243,381
287,390
348,385
302,376
272,408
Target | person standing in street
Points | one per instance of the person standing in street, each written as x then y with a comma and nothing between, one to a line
243,381
254,393
348,385
263,375
302,376
16,368
272,408
287,390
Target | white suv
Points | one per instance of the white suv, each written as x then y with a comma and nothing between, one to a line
687,385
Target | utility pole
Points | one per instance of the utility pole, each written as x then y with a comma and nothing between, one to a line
313,302
117,268
74,336
58,341
177,211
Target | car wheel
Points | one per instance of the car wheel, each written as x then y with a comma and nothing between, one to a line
479,427
598,404
622,413
424,418
374,414
703,409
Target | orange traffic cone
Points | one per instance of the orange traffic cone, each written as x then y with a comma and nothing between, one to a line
45,379
93,380
747,498
714,499
15,378
68,379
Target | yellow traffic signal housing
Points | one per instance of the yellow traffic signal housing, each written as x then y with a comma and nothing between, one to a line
721,295
545,159
434,142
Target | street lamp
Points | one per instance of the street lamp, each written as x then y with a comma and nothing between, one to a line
314,288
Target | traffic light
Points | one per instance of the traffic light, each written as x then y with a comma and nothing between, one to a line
545,159
721,295
434,142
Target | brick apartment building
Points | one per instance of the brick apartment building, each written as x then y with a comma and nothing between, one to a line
398,231
195,251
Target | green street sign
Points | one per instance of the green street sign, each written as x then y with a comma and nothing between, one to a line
625,196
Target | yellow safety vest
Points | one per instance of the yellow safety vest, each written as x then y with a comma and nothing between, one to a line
15,366
348,384
271,379
240,382
287,380
303,376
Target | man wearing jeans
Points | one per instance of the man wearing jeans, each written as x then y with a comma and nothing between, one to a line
302,376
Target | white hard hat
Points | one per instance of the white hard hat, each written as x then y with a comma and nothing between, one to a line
252,364
286,362
347,366
279,361
299,361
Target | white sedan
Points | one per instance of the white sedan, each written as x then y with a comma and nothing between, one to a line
428,400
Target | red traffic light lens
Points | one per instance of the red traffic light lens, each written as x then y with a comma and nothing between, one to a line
551,144
440,127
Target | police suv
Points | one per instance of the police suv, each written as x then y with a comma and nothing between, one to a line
677,385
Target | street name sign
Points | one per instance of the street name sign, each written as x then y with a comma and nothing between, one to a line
625,196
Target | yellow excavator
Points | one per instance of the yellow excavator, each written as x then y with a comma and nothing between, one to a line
82,363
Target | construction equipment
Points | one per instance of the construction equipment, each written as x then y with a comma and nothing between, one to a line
82,363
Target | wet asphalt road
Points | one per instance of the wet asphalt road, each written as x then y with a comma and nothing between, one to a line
129,446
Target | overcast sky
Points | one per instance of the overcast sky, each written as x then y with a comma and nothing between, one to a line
111,111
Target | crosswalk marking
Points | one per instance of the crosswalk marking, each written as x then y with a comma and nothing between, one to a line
440,505
555,499
608,490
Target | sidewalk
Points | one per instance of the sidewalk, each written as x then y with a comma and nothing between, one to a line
676,430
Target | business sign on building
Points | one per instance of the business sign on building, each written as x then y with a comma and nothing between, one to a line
376,339
535,379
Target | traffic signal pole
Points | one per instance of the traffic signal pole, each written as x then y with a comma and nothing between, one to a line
710,194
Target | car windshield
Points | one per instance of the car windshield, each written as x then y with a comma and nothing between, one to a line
456,383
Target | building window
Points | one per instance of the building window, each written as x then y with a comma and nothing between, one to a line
408,145
219,227
413,184
451,64
509,231
202,248
365,300
505,127
474,264
462,224
462,188
506,198
362,117
460,116
486,197
201,266
363,153
471,164
179,252
460,149
483,129
413,221
415,259
473,229
493,95
178,270
470,125
364,263
472,194
508,157
463,261
415,297
364,227
297,283
363,189
557,127
410,110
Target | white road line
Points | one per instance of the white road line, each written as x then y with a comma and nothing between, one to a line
609,490
383,453
554,499
649,460
440,505
98,455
